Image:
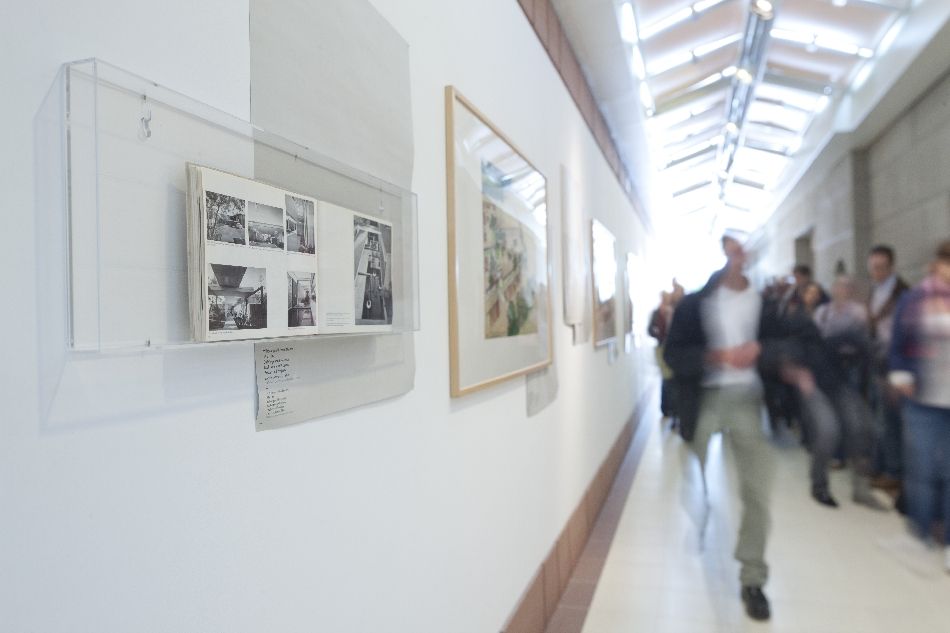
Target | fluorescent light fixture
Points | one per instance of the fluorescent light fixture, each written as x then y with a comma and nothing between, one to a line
628,23
835,45
708,81
750,180
839,3
823,103
705,49
702,184
763,8
891,35
676,117
670,62
862,76
647,99
704,5
792,36
666,23
794,146
729,71
744,76
636,63
821,41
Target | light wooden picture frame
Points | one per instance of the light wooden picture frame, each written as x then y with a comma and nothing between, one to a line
499,270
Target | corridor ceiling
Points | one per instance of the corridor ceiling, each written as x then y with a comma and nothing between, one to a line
725,94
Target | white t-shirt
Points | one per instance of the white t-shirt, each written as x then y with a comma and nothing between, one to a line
731,318
934,389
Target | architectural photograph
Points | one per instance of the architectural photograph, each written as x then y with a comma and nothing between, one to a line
301,299
226,218
372,257
300,225
265,225
237,298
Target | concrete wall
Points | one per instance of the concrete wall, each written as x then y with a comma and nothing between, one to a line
422,514
909,169
894,191
821,204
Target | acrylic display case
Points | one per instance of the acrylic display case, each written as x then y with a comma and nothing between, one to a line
111,222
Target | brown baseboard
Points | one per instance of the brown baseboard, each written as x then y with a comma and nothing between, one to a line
546,589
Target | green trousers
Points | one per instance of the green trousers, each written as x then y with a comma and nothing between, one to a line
736,413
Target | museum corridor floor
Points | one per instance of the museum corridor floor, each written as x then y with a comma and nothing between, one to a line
829,574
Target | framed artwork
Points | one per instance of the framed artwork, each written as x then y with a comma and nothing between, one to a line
575,247
604,269
628,275
499,278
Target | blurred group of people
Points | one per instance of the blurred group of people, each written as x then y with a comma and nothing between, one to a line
660,322
866,382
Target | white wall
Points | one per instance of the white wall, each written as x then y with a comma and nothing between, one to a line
420,514
821,203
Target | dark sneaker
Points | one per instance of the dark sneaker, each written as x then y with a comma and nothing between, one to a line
822,496
756,604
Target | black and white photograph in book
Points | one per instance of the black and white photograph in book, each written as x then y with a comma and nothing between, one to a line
301,299
237,298
265,225
373,284
226,218
300,234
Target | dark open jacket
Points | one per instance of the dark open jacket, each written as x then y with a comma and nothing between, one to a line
686,348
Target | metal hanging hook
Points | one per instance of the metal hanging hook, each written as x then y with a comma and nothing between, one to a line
146,118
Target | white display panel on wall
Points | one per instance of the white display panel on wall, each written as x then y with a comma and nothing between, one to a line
112,257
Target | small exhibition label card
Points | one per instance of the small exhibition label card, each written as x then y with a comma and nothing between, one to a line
277,383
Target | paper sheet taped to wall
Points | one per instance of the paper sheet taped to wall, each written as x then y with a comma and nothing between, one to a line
294,384
334,76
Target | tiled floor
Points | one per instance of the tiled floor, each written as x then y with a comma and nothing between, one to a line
828,572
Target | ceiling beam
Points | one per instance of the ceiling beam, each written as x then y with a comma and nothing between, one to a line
692,188
684,99
761,146
693,156
797,83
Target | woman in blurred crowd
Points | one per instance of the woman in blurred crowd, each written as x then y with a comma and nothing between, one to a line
659,325
843,323
920,371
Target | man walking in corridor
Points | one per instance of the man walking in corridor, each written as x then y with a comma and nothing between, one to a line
887,288
714,347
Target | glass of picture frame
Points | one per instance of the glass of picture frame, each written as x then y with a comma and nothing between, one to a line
604,277
499,277
629,274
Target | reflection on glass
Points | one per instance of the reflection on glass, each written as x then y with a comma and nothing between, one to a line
605,282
